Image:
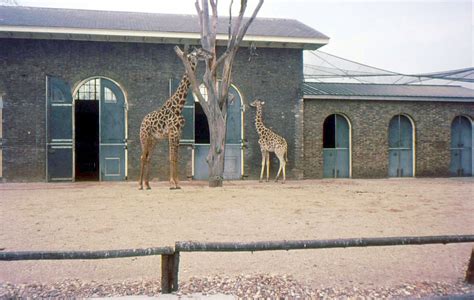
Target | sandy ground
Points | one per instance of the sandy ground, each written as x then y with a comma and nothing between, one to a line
101,216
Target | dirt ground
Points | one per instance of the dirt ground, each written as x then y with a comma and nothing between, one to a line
102,216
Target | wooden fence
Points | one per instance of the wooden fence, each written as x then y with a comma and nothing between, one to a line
170,255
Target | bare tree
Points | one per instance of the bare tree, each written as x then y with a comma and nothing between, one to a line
215,106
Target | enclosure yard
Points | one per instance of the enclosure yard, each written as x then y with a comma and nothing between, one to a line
101,216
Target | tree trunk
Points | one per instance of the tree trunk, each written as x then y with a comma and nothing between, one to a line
215,157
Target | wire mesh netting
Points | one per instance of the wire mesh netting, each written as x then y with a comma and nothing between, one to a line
320,66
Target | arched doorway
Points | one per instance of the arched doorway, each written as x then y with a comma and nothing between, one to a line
233,152
400,145
461,147
100,134
336,147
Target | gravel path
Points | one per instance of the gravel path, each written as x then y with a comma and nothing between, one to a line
242,286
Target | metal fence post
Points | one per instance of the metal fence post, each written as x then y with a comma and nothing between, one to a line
470,269
169,272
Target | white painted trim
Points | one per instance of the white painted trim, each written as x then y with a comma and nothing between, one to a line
152,36
46,94
413,136
350,141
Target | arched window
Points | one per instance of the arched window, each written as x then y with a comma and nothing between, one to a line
461,147
336,147
400,144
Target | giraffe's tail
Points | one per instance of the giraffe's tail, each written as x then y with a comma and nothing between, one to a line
286,156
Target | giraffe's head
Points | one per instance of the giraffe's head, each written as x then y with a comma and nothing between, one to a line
257,103
196,55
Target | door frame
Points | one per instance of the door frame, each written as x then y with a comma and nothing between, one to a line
413,140
471,120
242,136
74,92
350,140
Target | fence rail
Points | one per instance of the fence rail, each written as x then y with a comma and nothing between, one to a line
170,255
103,254
320,244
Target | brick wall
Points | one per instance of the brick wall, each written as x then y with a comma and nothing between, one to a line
369,124
143,71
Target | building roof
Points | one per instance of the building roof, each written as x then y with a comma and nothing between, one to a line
403,92
55,23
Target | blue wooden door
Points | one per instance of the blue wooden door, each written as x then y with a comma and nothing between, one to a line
233,147
113,140
400,143
461,147
336,147
59,130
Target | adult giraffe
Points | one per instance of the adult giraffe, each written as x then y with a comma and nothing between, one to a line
166,122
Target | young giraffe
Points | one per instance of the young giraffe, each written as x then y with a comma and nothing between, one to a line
166,122
269,141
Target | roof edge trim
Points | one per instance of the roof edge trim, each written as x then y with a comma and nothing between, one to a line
156,34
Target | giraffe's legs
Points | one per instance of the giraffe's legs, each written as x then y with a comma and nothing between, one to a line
173,152
147,149
267,157
263,163
142,166
281,158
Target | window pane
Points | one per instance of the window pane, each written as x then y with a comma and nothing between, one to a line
109,96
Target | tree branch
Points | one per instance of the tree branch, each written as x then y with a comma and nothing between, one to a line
243,29
199,12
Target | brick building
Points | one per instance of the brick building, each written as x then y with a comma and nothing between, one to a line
379,130
75,85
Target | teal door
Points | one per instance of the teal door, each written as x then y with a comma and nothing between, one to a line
59,130
233,148
461,147
400,143
336,147
113,140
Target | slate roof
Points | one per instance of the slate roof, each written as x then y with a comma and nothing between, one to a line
137,21
362,91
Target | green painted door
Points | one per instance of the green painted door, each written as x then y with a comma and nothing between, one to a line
400,144
336,147
461,147
196,133
113,140
59,130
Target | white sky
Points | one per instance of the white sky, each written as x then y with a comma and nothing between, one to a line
404,36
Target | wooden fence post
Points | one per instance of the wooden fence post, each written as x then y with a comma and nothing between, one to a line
169,272
470,269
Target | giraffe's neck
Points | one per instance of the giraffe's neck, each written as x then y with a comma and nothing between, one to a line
178,99
259,121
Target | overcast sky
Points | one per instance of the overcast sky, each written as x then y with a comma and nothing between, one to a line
403,36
